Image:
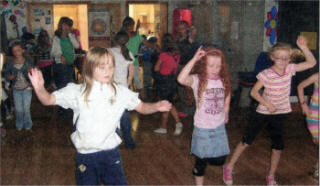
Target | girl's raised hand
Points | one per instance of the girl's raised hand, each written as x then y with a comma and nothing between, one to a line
302,42
36,78
164,106
199,54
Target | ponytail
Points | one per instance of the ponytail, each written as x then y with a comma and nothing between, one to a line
121,39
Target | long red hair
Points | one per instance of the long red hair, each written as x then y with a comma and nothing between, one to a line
201,70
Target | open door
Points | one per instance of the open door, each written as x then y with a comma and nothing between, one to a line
153,17
79,14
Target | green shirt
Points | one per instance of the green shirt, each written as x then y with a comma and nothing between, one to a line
67,50
133,47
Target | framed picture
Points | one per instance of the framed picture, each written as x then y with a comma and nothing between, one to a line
99,24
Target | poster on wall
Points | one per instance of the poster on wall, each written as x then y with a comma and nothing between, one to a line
41,17
99,24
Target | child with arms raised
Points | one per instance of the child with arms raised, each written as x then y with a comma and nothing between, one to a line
98,104
212,89
274,104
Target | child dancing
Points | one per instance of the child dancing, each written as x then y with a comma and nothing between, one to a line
212,89
311,112
98,104
274,104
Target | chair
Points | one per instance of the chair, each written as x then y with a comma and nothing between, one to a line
248,79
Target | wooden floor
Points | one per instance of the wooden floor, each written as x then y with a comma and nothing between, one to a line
46,155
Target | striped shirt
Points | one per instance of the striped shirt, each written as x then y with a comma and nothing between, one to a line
276,89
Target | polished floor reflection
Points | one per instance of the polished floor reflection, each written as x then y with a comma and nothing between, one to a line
46,155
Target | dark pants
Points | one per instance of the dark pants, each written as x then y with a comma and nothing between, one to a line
125,123
104,166
46,72
201,164
63,74
275,126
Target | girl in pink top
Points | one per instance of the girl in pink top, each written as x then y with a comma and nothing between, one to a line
274,104
166,67
212,89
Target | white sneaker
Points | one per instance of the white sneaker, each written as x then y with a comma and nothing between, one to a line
9,116
178,130
160,131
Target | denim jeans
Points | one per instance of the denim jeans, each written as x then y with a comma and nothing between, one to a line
125,123
147,74
63,74
22,102
103,166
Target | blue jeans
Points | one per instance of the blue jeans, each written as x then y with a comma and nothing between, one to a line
22,102
103,166
63,74
125,123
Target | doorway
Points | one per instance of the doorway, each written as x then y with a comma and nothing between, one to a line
79,14
153,17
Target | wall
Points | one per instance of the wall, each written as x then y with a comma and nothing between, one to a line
19,10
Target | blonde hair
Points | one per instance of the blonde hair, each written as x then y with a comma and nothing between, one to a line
279,46
93,59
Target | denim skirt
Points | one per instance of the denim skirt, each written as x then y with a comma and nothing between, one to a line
210,143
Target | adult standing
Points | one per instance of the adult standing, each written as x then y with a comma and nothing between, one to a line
63,51
185,41
64,43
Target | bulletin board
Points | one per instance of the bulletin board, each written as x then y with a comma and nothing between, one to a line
40,17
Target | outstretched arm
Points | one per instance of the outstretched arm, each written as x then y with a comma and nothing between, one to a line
184,77
310,60
37,81
149,108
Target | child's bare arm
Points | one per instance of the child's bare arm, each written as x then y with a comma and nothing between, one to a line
227,107
310,60
301,86
149,108
184,77
256,95
37,81
130,76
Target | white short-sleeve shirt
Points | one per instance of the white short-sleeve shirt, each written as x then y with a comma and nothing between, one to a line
121,66
99,118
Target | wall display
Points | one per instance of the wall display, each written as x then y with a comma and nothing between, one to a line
15,17
41,17
271,24
99,24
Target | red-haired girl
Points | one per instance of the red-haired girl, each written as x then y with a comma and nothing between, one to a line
212,89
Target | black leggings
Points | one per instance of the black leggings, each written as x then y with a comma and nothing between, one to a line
201,164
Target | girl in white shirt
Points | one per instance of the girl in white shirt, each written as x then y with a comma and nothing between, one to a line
98,104
123,75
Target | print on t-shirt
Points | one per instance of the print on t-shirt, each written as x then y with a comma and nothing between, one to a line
214,103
